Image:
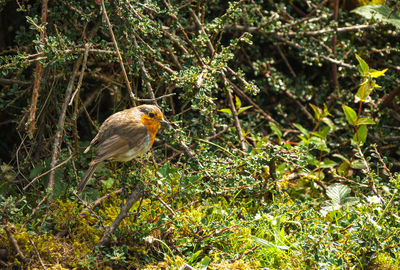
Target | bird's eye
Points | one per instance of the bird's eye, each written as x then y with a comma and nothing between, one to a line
151,115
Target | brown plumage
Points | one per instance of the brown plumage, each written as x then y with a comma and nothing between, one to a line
123,136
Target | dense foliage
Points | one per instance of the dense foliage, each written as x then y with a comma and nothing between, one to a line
285,148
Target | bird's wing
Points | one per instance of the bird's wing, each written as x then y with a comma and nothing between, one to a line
119,144
120,123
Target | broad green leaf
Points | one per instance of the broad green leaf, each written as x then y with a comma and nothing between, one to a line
361,135
242,109
36,171
343,168
108,183
357,164
379,12
329,123
365,121
322,132
268,244
326,113
275,130
302,130
338,193
378,73
204,263
363,66
238,103
327,163
320,144
363,92
350,114
342,158
226,110
317,111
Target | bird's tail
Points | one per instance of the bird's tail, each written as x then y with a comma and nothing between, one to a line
87,176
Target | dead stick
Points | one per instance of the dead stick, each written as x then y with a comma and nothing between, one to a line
76,93
37,77
60,125
37,254
14,243
133,197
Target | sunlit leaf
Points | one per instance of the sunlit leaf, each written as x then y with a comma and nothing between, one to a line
275,129
317,111
350,114
302,130
363,66
329,123
226,110
268,244
242,109
238,103
378,73
361,135
365,121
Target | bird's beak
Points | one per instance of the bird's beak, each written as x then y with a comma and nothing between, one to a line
165,123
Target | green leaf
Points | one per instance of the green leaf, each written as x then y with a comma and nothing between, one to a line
322,132
361,135
329,123
108,183
317,111
238,103
275,130
268,244
342,158
363,66
226,110
358,164
327,163
365,121
36,171
302,130
242,109
320,144
379,12
363,92
339,194
377,73
350,114
204,263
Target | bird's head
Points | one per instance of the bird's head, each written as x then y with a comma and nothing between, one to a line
152,115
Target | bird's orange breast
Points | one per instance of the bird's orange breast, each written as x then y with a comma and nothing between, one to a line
152,126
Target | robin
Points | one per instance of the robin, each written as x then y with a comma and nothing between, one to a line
125,135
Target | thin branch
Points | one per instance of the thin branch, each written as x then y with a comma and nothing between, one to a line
37,253
60,124
242,94
146,77
34,211
225,81
14,243
327,58
153,100
31,123
118,53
